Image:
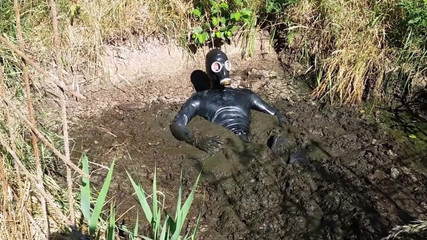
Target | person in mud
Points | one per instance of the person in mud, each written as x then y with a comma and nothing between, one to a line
222,105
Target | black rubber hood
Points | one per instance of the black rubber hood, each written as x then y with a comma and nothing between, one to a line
218,68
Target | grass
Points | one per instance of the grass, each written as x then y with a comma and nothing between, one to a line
406,230
85,199
351,49
169,228
359,45
354,42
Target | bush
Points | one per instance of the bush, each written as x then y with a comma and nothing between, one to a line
219,20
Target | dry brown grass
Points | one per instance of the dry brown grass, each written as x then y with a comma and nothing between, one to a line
349,44
357,61
79,46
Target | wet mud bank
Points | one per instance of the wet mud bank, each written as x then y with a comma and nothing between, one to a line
357,185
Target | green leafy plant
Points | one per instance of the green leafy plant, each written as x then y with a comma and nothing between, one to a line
416,14
171,227
217,19
277,6
410,34
92,217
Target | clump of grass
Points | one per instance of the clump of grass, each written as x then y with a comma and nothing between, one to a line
410,35
357,46
412,228
170,227
93,217
357,52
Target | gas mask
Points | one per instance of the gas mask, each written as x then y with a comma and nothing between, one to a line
218,68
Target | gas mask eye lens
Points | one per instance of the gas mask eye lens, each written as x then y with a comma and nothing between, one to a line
216,67
227,65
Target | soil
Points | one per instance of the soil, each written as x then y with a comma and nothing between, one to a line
360,181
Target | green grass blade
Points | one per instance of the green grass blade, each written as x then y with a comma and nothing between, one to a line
101,200
142,199
112,223
147,238
171,223
196,228
158,221
178,204
187,204
155,222
175,236
164,235
85,189
135,230
185,209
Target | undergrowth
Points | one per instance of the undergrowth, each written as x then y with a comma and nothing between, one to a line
360,49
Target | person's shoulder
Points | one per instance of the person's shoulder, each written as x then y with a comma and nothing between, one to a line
203,94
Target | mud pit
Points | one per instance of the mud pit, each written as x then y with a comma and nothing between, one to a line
357,185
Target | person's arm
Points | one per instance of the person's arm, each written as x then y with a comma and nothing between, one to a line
260,105
179,130
178,126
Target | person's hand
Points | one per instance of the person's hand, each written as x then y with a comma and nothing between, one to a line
181,133
209,144
281,118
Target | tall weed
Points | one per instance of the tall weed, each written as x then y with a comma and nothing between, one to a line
171,227
92,216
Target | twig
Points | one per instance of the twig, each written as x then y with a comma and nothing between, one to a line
39,69
56,43
25,76
35,182
44,140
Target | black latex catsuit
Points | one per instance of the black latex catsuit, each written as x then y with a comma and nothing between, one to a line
227,107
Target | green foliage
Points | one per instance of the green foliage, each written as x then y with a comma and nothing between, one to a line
171,227
415,14
277,6
219,19
410,33
112,223
7,17
85,199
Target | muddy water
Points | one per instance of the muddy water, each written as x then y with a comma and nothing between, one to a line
356,185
